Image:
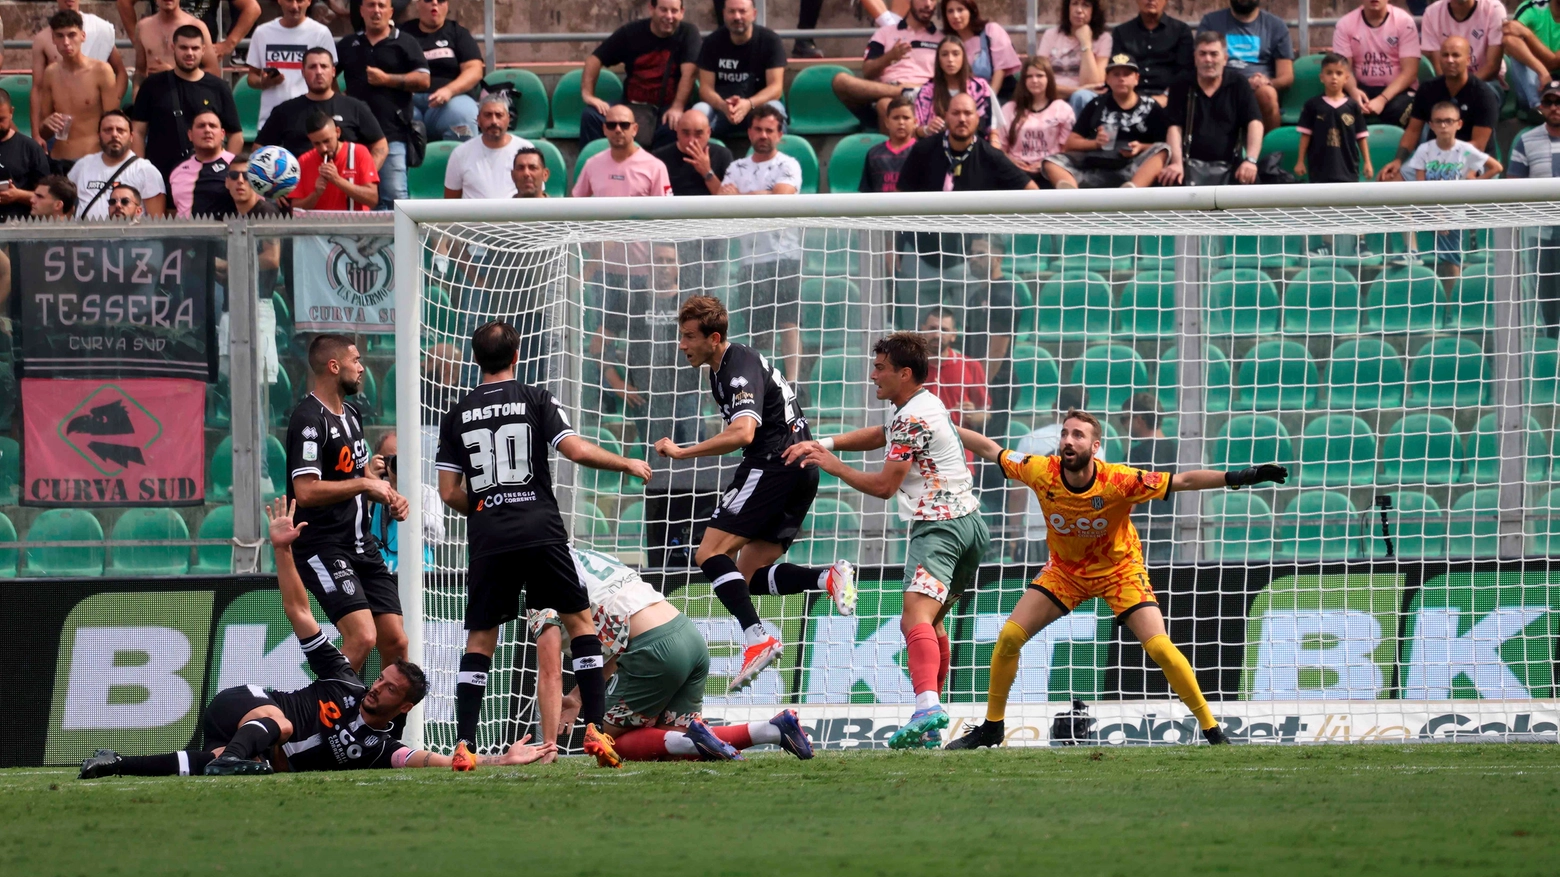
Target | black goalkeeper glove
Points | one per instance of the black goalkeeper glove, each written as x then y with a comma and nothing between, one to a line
1255,475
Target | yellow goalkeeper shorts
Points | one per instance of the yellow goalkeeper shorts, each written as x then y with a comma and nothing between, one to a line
1123,590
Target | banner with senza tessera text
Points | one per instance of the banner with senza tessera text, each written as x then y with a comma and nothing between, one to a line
113,442
120,308
344,283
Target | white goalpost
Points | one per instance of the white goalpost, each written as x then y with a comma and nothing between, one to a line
1393,344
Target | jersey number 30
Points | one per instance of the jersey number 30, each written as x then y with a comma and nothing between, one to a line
500,456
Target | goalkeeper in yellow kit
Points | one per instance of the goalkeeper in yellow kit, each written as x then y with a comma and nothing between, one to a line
1094,552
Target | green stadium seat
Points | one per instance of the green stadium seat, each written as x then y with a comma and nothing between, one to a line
219,408
600,482
1035,382
1448,373
848,161
1337,450
1404,299
1307,84
1543,527
1108,253
1110,374
1484,452
10,470
1027,254
1544,378
247,98
831,531
1422,449
798,148
1473,304
631,527
828,307
567,104
1112,445
591,526
1147,309
1318,525
1383,144
427,179
1242,301
19,87
1418,527
9,554
557,170
1074,306
219,472
1251,440
1024,317
215,560
1264,252
1276,375
1475,524
1240,527
65,525
586,152
1322,301
1365,374
1217,380
529,99
387,400
813,106
1286,142
150,525
280,398
831,252
839,386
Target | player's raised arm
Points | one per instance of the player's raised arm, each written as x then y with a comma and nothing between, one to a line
737,435
1210,479
587,453
295,599
979,445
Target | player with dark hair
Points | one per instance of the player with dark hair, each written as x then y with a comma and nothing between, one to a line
1094,552
493,468
335,723
331,476
762,510
925,467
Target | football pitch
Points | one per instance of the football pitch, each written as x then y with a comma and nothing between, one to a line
1376,809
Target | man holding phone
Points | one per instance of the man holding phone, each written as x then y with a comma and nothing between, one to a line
276,49
334,175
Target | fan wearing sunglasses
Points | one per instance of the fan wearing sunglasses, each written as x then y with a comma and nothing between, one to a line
124,202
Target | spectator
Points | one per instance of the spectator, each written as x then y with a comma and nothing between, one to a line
385,527
1481,23
54,198
22,164
1220,107
986,43
901,57
1333,135
1077,49
247,202
336,174
769,272
241,21
1040,122
1162,46
384,67
1152,451
741,66
1259,49
199,183
1532,157
1127,149
625,170
448,108
694,164
1382,45
72,95
960,382
168,103
156,34
884,161
989,314
276,55
806,19
1532,40
1477,105
124,202
660,57
286,129
1448,158
97,43
952,77
530,173
480,168
96,174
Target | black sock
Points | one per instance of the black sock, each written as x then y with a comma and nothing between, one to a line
254,737
731,589
784,578
470,685
589,677
167,765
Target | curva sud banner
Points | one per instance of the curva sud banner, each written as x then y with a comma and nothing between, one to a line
344,283
113,442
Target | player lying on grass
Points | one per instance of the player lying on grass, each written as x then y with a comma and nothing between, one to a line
657,662
337,723
1094,552
925,466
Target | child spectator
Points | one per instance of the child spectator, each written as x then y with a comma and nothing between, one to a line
1127,148
987,43
1339,154
884,160
1077,49
1041,120
953,76
1448,158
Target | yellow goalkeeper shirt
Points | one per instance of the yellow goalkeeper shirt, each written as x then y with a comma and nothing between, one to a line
1089,532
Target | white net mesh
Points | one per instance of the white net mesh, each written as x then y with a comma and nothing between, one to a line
1397,586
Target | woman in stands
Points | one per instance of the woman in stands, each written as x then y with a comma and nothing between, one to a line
953,76
990,50
1077,49
1041,120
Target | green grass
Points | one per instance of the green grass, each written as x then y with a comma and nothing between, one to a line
1381,810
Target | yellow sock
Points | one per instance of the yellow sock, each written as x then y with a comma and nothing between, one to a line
1004,666
1179,672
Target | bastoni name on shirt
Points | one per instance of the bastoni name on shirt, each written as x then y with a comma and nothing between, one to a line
498,410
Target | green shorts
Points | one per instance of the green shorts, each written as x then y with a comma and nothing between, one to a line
943,556
660,677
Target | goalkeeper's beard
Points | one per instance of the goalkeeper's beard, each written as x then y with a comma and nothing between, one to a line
1077,461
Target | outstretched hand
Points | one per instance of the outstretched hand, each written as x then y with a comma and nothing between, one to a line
521,753
638,469
1256,475
280,513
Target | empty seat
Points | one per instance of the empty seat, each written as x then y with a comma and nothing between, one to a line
1448,373
1365,374
1404,299
600,481
813,106
1473,300
848,161
1544,378
1337,450
65,525
1307,84
1422,449
1110,374
1317,525
280,398
1035,381
1418,527
150,526
839,386
246,99
1074,307
529,99
587,151
427,179
1147,306
1324,301
1216,378
219,472
1543,527
1099,253
1239,527
831,531
1285,141
1276,375
1264,252
1242,301
827,305
9,555
214,560
1484,452
1475,524
1252,440
1382,143
567,102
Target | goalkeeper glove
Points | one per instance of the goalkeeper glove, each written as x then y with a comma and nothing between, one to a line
1255,475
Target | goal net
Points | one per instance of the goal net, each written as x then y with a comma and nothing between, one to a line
1393,345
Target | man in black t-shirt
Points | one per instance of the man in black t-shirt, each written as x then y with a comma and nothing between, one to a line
694,165
658,56
1162,46
1478,103
448,108
168,103
741,66
285,127
493,468
384,66
1119,137
22,163
1211,118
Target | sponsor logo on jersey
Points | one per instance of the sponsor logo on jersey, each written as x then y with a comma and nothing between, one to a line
335,433
329,713
310,432
1098,502
738,382
311,451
